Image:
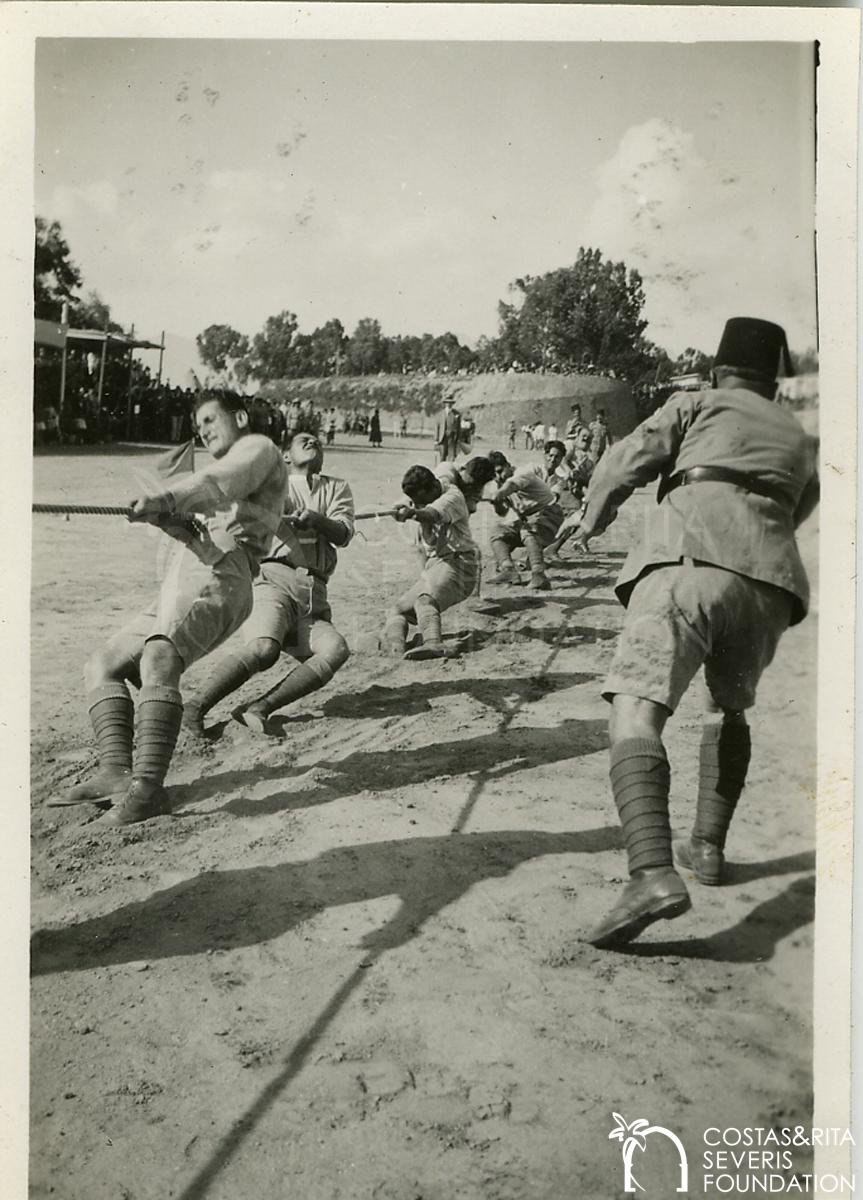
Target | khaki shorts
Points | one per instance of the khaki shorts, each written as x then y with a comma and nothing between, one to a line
689,614
543,525
447,583
198,607
289,608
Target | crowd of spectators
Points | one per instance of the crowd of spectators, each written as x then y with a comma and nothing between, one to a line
142,409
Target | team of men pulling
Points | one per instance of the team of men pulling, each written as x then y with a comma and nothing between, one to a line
714,581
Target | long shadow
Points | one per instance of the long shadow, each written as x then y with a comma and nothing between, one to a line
378,701
501,608
572,637
754,939
791,864
229,909
490,756
495,755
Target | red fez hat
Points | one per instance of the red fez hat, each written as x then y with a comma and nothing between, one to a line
754,345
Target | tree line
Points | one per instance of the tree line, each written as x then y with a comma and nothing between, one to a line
587,317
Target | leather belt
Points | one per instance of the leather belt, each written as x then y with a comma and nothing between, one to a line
749,483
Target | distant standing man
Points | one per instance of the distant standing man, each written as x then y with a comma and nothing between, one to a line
574,425
716,580
448,433
600,437
204,598
511,436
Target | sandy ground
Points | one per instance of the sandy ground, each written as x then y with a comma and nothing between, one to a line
350,965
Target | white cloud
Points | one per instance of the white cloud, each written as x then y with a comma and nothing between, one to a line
708,239
99,199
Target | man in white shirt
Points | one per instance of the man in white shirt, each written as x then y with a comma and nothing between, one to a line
205,596
451,563
291,611
530,517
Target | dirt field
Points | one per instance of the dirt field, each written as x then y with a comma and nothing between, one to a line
349,966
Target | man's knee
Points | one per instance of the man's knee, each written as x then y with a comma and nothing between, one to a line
635,717
160,663
263,653
110,663
427,601
715,715
334,651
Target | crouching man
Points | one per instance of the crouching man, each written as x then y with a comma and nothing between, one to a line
291,610
530,516
450,557
204,598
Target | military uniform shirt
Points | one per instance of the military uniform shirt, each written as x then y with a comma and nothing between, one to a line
715,522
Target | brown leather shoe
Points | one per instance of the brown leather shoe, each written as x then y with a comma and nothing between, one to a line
703,859
655,896
540,582
503,575
144,799
108,781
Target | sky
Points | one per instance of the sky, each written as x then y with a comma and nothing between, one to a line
202,182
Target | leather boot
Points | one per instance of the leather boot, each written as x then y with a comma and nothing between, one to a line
653,895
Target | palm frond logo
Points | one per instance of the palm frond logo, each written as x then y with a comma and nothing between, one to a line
633,1137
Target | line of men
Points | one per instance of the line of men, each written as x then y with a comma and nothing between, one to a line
713,583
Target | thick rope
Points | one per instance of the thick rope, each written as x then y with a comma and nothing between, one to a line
115,510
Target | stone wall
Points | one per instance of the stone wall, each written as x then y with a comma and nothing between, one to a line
495,400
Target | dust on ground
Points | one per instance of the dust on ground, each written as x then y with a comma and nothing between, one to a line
350,966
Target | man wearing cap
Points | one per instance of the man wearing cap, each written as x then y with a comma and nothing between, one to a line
448,433
714,582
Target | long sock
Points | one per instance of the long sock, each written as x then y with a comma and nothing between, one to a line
428,619
502,554
112,715
396,632
534,554
160,710
231,673
724,762
305,678
477,587
640,781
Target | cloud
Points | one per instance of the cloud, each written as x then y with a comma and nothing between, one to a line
99,199
707,238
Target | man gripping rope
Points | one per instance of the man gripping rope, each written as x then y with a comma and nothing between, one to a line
715,582
291,610
205,596
451,562
529,516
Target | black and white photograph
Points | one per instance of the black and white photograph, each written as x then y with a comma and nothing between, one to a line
440,602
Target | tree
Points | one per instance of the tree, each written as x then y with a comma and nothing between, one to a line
589,314
327,350
805,363
693,362
272,348
55,276
93,313
221,347
366,351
